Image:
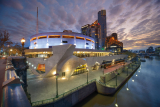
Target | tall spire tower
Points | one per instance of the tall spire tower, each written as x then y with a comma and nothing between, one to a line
37,22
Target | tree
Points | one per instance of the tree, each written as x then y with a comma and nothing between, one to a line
4,39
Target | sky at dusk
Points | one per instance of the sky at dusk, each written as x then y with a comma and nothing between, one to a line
137,22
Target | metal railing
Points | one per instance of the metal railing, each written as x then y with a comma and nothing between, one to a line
51,100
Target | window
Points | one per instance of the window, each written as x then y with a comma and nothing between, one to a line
77,37
35,43
80,69
54,36
64,41
88,39
68,36
41,37
63,74
87,43
33,39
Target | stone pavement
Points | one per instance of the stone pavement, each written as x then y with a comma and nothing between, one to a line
2,73
113,68
120,78
45,88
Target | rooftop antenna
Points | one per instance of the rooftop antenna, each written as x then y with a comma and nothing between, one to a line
37,22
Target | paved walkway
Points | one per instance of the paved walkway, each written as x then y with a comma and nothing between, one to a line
120,78
113,68
2,73
45,88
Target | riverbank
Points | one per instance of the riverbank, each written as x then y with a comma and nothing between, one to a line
74,96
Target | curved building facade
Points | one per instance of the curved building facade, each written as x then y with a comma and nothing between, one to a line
45,40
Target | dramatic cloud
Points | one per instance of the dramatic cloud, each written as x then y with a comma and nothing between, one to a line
12,3
115,10
137,22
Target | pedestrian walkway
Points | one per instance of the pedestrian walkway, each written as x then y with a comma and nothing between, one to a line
120,78
2,73
113,68
45,88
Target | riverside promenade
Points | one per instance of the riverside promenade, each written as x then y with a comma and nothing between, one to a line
2,72
112,81
80,92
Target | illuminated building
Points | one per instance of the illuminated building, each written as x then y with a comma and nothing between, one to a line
97,30
102,22
93,31
45,40
112,44
66,60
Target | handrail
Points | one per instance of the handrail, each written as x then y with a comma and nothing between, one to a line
51,100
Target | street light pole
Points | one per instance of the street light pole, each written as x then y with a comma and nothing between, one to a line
56,84
87,77
23,41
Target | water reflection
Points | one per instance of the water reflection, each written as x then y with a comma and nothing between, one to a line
143,90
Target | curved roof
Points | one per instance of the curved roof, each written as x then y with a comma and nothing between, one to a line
61,33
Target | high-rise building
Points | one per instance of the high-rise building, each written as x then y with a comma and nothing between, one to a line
102,22
94,31
97,30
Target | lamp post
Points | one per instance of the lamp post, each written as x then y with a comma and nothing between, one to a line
87,74
23,41
116,77
11,51
56,85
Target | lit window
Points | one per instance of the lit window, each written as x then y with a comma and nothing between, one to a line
68,36
88,39
41,37
54,36
77,37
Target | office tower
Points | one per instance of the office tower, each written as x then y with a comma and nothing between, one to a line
102,22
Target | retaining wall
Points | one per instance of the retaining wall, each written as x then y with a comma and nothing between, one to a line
75,97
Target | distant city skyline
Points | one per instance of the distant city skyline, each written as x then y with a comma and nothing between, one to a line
137,22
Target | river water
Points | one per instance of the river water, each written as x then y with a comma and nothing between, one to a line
144,89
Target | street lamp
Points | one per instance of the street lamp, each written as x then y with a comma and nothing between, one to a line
56,84
87,74
11,51
23,41
116,77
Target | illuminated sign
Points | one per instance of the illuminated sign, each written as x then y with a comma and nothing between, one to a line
113,46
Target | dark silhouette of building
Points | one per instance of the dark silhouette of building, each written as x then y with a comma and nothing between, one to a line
150,50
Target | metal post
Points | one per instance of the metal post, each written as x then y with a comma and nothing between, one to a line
127,71
22,49
56,86
116,79
87,77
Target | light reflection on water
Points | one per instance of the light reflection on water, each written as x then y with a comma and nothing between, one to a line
142,90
